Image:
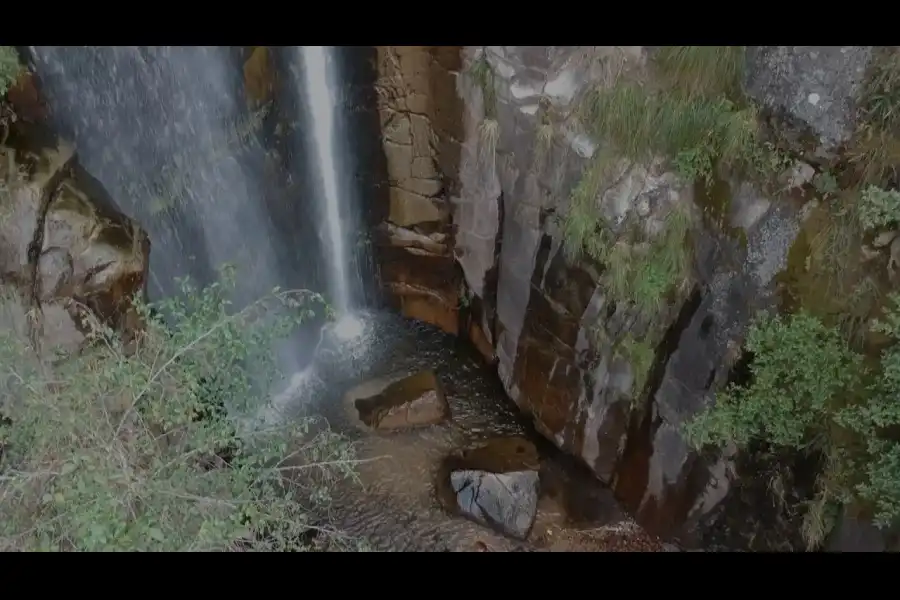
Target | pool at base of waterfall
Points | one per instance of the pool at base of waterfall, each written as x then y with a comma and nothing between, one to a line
446,463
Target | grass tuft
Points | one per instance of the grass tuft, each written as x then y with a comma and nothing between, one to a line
702,70
640,356
642,274
876,150
482,75
696,133
488,137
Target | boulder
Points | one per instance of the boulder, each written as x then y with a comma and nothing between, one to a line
414,401
811,87
506,501
496,484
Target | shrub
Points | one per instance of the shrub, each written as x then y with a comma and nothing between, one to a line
878,207
876,421
810,391
9,68
801,370
142,447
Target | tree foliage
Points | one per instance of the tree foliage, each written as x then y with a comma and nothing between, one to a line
809,390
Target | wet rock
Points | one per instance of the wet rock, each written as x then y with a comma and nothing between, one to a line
496,484
258,76
422,285
420,114
414,401
507,501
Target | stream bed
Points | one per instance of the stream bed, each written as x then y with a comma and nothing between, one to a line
403,499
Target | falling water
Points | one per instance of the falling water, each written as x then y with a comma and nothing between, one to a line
321,98
168,134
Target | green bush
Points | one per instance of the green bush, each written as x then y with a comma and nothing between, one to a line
801,370
878,207
140,447
876,422
9,68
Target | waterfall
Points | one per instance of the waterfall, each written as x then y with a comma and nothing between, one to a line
168,133
326,150
319,92
172,137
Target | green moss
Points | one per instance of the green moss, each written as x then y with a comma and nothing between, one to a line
483,76
640,356
714,199
827,276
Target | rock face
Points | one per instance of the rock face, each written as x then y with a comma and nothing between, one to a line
60,254
564,349
414,401
419,112
812,89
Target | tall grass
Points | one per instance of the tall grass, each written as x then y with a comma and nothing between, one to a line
703,70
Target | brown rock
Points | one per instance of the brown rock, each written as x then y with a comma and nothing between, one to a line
408,208
420,129
414,401
423,187
88,258
481,342
427,306
258,76
24,97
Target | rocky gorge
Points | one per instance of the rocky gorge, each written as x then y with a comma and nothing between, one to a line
607,268
503,139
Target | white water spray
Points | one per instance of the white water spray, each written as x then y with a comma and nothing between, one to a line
321,98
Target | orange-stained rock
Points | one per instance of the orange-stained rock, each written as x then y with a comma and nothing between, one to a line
259,77
414,401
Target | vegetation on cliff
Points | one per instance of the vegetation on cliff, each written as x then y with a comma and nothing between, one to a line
686,109
9,68
137,446
825,378
811,392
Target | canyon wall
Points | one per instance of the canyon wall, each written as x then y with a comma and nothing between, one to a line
420,114
609,382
